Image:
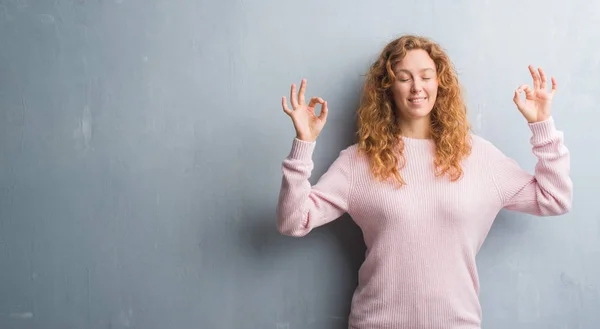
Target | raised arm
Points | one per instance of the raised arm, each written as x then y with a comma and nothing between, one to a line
549,191
302,207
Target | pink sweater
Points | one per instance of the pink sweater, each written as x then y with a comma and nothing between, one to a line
422,239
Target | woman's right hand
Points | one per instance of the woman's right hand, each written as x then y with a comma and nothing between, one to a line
308,125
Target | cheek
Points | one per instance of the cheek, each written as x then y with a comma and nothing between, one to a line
400,91
432,89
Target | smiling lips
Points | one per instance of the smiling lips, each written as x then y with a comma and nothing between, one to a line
417,100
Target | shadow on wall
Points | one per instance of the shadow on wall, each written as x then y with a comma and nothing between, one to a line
260,237
507,224
351,241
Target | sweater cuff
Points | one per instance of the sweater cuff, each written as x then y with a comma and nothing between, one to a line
302,150
543,131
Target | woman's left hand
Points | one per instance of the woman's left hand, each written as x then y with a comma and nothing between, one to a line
537,104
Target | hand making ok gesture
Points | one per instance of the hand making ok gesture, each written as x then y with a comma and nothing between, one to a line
537,104
308,125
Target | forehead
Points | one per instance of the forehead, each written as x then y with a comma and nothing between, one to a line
415,61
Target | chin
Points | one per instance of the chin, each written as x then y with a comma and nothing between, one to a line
417,113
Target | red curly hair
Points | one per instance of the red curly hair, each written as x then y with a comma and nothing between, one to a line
379,135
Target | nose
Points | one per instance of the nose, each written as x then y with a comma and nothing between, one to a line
416,86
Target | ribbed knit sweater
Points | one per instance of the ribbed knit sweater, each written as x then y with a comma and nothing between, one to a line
422,239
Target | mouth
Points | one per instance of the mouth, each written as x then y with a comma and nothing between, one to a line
417,100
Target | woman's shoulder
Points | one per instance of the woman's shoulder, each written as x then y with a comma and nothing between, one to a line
479,141
354,154
482,146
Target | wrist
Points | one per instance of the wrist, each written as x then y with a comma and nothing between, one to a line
305,138
539,119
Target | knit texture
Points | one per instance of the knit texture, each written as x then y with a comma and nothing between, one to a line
422,239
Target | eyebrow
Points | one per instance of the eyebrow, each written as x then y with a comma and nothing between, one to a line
421,70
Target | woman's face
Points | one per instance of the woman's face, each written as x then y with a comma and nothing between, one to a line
415,88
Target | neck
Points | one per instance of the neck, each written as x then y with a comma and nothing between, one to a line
416,128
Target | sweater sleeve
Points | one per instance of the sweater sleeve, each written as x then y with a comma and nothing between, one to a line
549,192
302,207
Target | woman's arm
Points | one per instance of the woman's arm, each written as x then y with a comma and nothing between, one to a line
550,190
302,207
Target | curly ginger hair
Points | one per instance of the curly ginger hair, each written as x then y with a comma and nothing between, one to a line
379,135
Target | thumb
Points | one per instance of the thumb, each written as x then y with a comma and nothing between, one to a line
517,99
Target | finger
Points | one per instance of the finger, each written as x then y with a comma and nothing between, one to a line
543,78
293,96
324,111
286,109
301,99
314,101
525,88
517,98
536,78
554,85
522,87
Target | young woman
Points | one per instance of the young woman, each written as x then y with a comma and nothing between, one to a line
423,188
